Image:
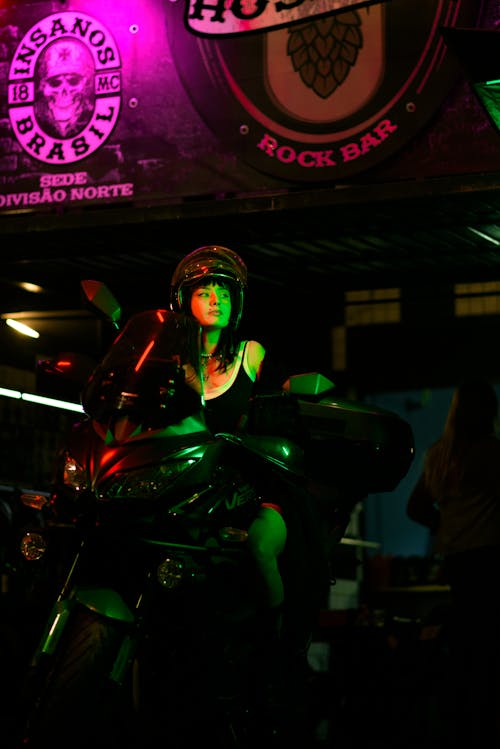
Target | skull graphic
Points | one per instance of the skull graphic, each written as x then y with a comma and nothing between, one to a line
65,98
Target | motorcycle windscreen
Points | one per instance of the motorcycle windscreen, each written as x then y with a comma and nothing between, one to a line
151,373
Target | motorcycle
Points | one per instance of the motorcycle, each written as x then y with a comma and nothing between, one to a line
26,590
151,637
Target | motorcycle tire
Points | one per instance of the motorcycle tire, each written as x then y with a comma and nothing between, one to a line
73,702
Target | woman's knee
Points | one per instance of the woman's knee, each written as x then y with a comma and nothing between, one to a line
267,534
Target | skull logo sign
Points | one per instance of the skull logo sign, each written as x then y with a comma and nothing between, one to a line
65,98
64,89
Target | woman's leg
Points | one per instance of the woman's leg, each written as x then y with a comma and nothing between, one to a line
266,539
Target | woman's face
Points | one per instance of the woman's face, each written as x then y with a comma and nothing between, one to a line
211,305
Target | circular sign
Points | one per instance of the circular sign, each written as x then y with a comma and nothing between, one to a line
326,97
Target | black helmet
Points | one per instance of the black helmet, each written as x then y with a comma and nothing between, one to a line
210,261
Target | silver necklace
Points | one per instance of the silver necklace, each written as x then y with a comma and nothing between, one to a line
205,359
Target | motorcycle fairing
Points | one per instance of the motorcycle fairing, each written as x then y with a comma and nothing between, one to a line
158,477
343,441
275,450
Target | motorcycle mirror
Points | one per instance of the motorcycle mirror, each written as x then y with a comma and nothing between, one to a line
64,375
308,383
100,298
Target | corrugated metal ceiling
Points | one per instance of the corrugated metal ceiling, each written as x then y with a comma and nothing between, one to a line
359,236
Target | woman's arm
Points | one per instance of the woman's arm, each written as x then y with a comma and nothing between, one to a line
421,506
255,353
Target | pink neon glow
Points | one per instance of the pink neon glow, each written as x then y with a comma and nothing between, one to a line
131,23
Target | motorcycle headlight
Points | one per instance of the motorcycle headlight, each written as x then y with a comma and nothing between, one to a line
74,474
144,483
33,546
170,573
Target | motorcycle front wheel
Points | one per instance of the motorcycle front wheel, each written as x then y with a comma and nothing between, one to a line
69,700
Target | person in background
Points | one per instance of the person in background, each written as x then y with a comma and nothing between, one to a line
457,497
209,284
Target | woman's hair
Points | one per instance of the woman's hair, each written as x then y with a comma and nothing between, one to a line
472,416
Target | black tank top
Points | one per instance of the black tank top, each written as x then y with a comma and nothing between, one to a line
227,412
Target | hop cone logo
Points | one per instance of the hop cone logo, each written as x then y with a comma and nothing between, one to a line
324,51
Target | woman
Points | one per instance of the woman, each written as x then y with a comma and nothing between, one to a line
458,498
284,538
209,284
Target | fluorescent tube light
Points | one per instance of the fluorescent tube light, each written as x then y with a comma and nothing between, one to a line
41,400
22,328
484,236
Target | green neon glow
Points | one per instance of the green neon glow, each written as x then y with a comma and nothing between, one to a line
489,96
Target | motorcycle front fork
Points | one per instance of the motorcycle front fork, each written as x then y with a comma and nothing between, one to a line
104,602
